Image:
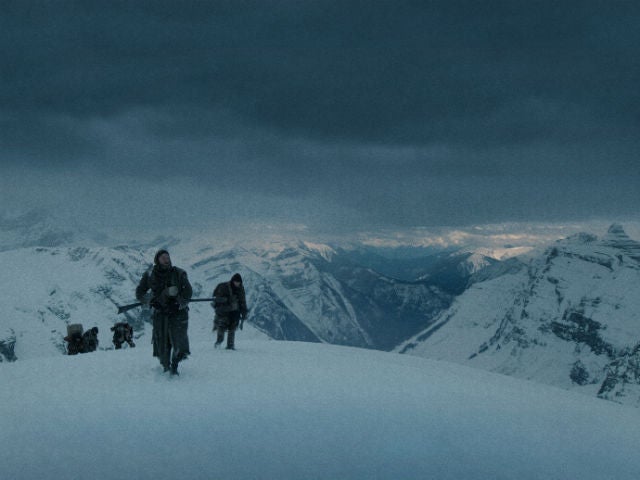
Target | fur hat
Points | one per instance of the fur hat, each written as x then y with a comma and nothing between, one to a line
158,253
236,278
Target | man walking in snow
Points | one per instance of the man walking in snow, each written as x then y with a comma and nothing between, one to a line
230,305
170,294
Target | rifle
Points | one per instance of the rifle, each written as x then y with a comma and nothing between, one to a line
126,308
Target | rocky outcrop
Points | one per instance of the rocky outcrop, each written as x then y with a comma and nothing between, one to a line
622,376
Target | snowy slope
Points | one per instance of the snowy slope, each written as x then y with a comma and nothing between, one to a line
281,410
568,317
48,288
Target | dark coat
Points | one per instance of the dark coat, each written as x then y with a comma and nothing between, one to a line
170,313
90,340
230,304
75,343
159,280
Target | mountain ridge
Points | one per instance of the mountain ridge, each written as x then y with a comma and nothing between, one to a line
569,317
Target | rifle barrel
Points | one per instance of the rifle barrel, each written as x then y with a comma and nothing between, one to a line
126,308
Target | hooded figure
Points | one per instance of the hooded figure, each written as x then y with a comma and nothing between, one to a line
230,305
170,295
90,340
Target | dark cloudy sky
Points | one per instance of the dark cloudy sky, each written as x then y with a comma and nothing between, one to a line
337,115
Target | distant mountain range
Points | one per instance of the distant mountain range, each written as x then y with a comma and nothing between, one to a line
568,316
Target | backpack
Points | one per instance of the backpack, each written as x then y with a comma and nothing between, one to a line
74,339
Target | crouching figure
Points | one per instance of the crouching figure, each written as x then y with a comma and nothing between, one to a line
122,332
79,342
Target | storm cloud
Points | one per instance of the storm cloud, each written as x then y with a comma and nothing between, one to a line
346,114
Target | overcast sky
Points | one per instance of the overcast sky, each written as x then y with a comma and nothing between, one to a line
344,115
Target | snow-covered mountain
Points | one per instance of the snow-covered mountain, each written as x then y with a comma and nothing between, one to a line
568,316
450,269
454,270
296,291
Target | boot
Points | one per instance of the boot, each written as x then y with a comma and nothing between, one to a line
220,338
231,340
174,368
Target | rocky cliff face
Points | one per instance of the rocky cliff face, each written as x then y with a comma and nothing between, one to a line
568,317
